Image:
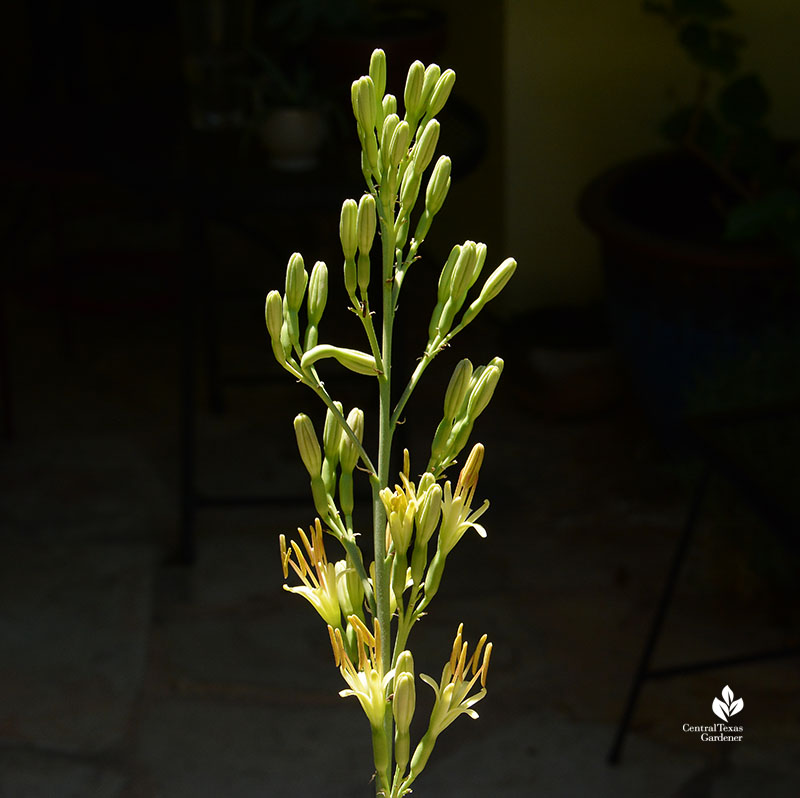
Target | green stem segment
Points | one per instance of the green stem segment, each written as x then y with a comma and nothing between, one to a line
385,430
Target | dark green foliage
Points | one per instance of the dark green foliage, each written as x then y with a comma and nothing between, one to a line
729,131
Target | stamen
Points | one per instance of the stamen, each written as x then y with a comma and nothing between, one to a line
485,667
473,663
336,655
284,557
459,674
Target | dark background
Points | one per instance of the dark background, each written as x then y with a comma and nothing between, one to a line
148,463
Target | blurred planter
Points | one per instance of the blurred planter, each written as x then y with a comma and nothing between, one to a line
293,138
683,303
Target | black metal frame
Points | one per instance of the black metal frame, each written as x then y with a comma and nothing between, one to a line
768,508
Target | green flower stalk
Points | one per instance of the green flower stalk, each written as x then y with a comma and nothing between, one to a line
371,597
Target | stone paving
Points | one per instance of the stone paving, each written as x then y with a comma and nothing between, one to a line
121,677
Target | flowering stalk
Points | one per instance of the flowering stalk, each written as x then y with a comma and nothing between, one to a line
370,610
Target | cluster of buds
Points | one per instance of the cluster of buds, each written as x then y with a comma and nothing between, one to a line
468,394
338,455
459,273
297,352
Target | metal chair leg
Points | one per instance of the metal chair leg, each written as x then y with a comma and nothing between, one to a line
642,671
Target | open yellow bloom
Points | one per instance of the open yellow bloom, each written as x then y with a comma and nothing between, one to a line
453,691
319,578
457,514
367,681
405,505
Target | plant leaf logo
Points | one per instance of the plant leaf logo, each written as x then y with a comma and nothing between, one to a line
728,705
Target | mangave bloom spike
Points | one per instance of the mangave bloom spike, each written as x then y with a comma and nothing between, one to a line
371,597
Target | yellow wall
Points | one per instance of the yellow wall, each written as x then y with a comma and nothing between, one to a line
586,86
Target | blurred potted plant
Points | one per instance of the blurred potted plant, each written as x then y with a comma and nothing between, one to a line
288,88
306,53
700,241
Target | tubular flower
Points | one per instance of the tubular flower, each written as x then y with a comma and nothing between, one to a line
402,506
452,692
367,681
457,514
319,578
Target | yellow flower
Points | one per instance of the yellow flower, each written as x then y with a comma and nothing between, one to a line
457,514
453,691
404,506
367,681
319,578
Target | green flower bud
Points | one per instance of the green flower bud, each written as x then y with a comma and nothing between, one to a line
409,189
321,497
431,77
428,515
472,468
441,92
401,232
433,577
389,104
291,323
497,280
405,664
347,229
446,275
296,282
482,393
390,123
494,284
317,292
354,86
366,104
426,146
286,340
463,270
457,389
371,151
273,313
349,588
359,362
403,706
308,444
438,186
400,141
348,453
332,434
366,223
377,71
311,337
412,96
